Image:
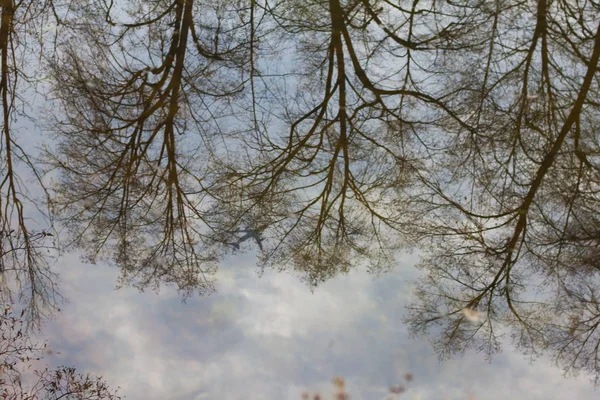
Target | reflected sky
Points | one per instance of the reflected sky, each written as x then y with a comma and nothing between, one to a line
269,337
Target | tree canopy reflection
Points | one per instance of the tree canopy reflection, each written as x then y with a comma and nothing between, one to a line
328,134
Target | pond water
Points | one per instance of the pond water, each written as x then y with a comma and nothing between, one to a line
270,337
184,143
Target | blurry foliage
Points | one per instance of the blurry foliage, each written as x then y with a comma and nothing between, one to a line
341,392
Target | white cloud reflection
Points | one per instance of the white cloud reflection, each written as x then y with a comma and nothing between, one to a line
271,338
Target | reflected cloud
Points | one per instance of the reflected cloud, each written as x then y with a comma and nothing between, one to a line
270,337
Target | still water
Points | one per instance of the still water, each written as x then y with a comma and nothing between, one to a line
270,337
162,136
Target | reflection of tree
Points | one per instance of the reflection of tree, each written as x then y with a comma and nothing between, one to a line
325,194
24,270
521,248
327,133
19,382
469,129
131,182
